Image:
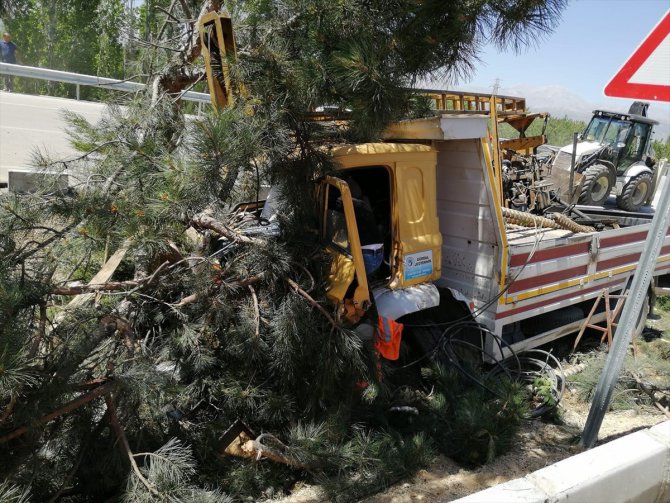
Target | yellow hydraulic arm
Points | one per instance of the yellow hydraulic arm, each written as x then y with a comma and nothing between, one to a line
218,48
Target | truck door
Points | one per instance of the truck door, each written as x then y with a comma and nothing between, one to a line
348,284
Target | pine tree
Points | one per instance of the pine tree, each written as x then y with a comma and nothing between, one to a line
121,386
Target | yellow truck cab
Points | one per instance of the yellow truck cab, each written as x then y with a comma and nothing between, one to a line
380,222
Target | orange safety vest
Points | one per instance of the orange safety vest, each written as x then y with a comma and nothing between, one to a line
389,335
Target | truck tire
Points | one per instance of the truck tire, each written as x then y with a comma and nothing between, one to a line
431,332
597,185
635,193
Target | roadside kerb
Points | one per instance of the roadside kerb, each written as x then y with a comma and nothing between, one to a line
634,468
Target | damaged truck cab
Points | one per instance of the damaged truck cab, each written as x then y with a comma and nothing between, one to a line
379,221
417,228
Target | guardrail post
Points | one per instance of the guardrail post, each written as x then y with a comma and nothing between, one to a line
77,91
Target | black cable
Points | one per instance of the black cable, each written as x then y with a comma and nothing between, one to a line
519,363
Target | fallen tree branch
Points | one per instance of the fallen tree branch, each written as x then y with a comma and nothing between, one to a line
650,391
274,454
257,310
169,13
118,429
111,286
194,297
22,255
206,222
65,409
311,301
41,332
189,299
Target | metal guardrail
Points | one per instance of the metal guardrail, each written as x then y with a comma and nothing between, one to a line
87,80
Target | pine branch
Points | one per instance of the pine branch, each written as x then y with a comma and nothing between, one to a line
256,310
169,13
311,301
80,455
112,286
118,429
651,392
206,222
41,332
22,256
195,297
65,409
186,8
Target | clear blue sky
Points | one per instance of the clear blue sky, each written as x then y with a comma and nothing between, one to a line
566,71
592,41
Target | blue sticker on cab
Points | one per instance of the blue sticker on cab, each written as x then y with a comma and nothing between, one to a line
418,264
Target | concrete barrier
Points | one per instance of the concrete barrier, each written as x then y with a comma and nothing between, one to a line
634,468
25,181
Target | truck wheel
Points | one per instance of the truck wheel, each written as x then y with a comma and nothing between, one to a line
597,185
635,193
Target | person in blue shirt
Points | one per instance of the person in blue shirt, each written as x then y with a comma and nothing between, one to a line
8,54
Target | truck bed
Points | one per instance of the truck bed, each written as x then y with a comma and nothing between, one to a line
513,278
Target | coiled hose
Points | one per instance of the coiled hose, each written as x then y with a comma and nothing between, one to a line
557,221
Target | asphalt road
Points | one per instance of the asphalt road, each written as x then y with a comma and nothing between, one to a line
28,123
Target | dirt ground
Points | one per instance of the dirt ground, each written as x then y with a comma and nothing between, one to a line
539,444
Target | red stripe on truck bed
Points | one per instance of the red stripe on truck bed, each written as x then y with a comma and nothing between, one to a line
625,259
546,279
549,254
626,239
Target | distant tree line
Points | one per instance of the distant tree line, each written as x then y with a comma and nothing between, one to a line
661,148
93,37
559,133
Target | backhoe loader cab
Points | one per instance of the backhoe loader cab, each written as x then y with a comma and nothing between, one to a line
613,157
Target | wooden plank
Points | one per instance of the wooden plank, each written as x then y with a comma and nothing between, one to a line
102,276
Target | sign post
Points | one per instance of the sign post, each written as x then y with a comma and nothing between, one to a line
646,75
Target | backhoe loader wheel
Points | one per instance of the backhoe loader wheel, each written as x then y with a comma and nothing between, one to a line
597,185
635,193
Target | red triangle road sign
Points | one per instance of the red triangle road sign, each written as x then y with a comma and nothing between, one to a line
646,74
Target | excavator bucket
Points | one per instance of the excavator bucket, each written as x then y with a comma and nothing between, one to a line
218,48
